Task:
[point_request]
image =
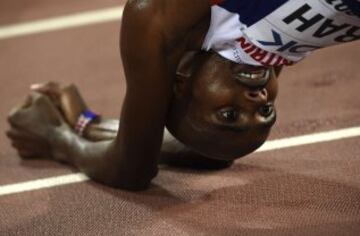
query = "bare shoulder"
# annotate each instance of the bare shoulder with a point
(172, 8)
(174, 17)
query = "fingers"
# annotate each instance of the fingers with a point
(17, 114)
(31, 123)
(20, 145)
(41, 113)
(14, 116)
(27, 103)
(26, 154)
(24, 140)
(50, 89)
(47, 87)
(28, 148)
(72, 104)
(16, 134)
(44, 103)
(23, 149)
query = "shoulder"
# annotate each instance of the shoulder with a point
(174, 7)
(173, 17)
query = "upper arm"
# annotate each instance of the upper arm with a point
(148, 74)
(160, 21)
(148, 91)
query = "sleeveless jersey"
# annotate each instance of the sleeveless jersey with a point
(279, 32)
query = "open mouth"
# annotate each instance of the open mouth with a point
(253, 79)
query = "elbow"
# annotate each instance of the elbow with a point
(125, 181)
(132, 185)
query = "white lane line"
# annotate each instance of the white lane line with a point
(268, 146)
(62, 22)
(42, 183)
(310, 139)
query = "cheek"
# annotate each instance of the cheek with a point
(197, 114)
(272, 88)
(215, 96)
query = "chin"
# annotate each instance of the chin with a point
(224, 155)
(230, 153)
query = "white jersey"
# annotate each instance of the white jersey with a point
(279, 32)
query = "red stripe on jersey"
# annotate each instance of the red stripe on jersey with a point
(216, 2)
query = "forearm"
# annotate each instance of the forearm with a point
(85, 155)
(98, 160)
(172, 152)
(106, 129)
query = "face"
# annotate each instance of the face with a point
(222, 109)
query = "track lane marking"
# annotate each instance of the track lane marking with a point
(62, 22)
(268, 146)
(310, 139)
(42, 183)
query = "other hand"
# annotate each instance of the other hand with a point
(33, 126)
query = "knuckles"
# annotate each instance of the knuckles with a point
(30, 122)
(39, 107)
(11, 118)
(9, 134)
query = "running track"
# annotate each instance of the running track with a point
(304, 185)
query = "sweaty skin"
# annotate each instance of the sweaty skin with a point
(155, 35)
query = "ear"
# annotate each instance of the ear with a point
(184, 71)
(186, 64)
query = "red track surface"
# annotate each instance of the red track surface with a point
(307, 190)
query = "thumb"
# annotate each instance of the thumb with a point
(48, 88)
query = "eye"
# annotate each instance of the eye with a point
(229, 115)
(266, 110)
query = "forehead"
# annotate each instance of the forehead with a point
(214, 64)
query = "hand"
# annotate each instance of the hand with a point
(50, 89)
(33, 126)
(67, 99)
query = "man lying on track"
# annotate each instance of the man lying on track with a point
(205, 70)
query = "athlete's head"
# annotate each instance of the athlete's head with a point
(222, 109)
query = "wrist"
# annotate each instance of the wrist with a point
(84, 120)
(63, 143)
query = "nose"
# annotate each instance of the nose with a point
(257, 96)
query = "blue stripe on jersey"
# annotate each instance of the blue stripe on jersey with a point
(354, 5)
(251, 11)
